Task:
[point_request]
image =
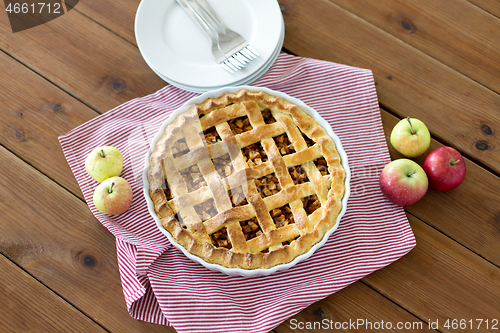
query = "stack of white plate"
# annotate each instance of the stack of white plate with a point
(180, 52)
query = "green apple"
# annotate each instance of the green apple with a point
(113, 196)
(410, 137)
(104, 162)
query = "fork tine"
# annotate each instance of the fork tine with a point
(252, 50)
(235, 63)
(226, 67)
(230, 65)
(248, 58)
(241, 58)
(247, 54)
(239, 61)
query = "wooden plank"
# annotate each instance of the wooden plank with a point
(83, 58)
(441, 280)
(34, 113)
(409, 82)
(470, 214)
(53, 235)
(347, 306)
(27, 305)
(491, 6)
(456, 33)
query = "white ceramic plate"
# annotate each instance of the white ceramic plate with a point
(238, 271)
(174, 46)
(246, 80)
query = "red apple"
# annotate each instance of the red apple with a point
(445, 168)
(403, 182)
(113, 196)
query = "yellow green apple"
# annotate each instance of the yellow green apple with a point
(113, 196)
(104, 162)
(410, 137)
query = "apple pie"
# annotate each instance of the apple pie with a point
(246, 180)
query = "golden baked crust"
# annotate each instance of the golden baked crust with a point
(246, 180)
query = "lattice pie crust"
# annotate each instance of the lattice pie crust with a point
(246, 180)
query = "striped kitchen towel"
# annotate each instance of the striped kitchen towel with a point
(163, 286)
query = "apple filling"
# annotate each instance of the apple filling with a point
(193, 178)
(299, 176)
(309, 142)
(179, 148)
(237, 196)
(223, 165)
(311, 203)
(250, 228)
(206, 209)
(254, 154)
(284, 145)
(268, 185)
(240, 125)
(166, 190)
(221, 239)
(268, 116)
(211, 135)
(282, 216)
(322, 166)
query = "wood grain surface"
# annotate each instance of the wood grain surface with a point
(468, 46)
(30, 129)
(409, 81)
(28, 305)
(491, 6)
(436, 61)
(84, 59)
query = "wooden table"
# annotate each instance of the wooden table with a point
(438, 61)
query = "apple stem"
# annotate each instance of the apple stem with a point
(102, 153)
(454, 162)
(411, 126)
(111, 187)
(412, 173)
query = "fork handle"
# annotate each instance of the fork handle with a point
(213, 15)
(198, 19)
(220, 33)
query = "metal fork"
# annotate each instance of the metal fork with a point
(216, 52)
(232, 44)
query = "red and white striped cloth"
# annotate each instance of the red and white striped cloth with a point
(163, 286)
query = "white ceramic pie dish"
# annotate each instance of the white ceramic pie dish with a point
(239, 271)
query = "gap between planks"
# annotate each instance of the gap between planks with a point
(37, 282)
(489, 6)
(49, 81)
(445, 142)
